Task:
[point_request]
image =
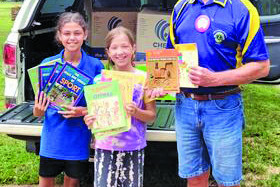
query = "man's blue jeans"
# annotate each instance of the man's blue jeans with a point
(209, 134)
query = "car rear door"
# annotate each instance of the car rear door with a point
(269, 11)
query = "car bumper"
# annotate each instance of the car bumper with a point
(161, 136)
(35, 130)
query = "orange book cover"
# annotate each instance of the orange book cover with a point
(162, 69)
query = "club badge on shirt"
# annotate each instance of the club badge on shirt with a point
(202, 23)
(219, 36)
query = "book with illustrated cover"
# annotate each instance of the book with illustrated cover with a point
(128, 81)
(132, 89)
(188, 58)
(56, 70)
(162, 69)
(137, 98)
(44, 74)
(104, 101)
(34, 74)
(68, 87)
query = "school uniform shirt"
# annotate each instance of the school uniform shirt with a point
(68, 139)
(135, 138)
(227, 34)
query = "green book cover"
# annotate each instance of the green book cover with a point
(34, 78)
(104, 100)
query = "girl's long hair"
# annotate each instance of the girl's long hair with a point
(108, 40)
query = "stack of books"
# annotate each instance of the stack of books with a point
(106, 101)
(169, 68)
(62, 83)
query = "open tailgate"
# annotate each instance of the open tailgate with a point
(20, 121)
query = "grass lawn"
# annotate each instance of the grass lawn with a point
(17, 166)
(261, 136)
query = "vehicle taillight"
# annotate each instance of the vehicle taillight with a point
(10, 102)
(9, 55)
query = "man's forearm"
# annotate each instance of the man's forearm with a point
(243, 75)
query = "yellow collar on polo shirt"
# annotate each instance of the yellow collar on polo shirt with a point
(220, 2)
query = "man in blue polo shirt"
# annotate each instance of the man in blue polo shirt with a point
(209, 119)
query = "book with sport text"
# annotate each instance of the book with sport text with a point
(188, 58)
(104, 101)
(68, 87)
(162, 69)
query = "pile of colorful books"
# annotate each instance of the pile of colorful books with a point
(168, 68)
(106, 101)
(62, 82)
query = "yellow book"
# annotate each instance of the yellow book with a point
(128, 82)
(189, 57)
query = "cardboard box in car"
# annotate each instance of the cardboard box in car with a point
(152, 31)
(103, 22)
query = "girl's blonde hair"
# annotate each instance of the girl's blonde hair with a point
(68, 17)
(114, 33)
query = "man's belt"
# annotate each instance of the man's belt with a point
(211, 96)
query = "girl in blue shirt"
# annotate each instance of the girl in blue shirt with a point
(65, 138)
